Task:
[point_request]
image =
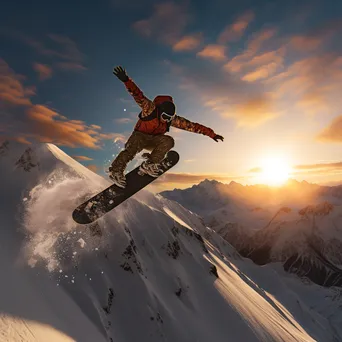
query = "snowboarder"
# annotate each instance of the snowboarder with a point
(154, 121)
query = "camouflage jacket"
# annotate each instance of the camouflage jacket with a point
(147, 107)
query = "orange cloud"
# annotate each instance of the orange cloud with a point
(250, 111)
(187, 43)
(230, 97)
(304, 43)
(332, 133)
(255, 170)
(311, 169)
(47, 126)
(310, 83)
(189, 178)
(316, 37)
(236, 29)
(82, 158)
(93, 168)
(12, 91)
(95, 126)
(313, 102)
(25, 120)
(255, 111)
(167, 23)
(254, 45)
(23, 140)
(320, 166)
(260, 73)
(260, 67)
(275, 56)
(43, 70)
(213, 51)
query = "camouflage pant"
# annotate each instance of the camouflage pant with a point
(159, 145)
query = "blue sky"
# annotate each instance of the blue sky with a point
(262, 74)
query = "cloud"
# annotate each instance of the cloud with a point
(244, 59)
(235, 30)
(61, 49)
(271, 76)
(166, 23)
(188, 178)
(68, 49)
(332, 133)
(82, 158)
(247, 103)
(257, 67)
(213, 51)
(255, 170)
(43, 70)
(310, 169)
(70, 66)
(123, 120)
(23, 140)
(312, 83)
(28, 121)
(305, 43)
(95, 126)
(260, 73)
(320, 166)
(12, 91)
(47, 125)
(316, 37)
(187, 43)
(93, 168)
(189, 160)
(255, 111)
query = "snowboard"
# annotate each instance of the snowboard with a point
(100, 204)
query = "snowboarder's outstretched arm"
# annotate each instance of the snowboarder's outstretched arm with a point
(147, 106)
(187, 125)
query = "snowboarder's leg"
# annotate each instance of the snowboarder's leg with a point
(133, 146)
(159, 145)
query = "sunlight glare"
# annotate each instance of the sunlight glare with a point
(275, 171)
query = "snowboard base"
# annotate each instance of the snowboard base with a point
(100, 204)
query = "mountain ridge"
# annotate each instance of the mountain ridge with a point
(292, 230)
(149, 270)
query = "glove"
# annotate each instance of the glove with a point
(218, 137)
(120, 73)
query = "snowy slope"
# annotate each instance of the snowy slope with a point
(148, 271)
(299, 224)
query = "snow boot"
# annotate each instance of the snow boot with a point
(117, 177)
(149, 168)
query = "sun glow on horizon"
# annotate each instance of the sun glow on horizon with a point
(274, 171)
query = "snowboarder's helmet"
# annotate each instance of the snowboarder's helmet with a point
(167, 107)
(158, 100)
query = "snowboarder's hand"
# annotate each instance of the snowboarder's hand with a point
(120, 73)
(218, 137)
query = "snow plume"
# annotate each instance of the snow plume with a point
(48, 215)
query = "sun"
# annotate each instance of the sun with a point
(274, 171)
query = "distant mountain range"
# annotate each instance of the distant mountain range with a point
(298, 224)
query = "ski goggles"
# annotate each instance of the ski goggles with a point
(167, 117)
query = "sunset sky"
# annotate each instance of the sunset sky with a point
(266, 75)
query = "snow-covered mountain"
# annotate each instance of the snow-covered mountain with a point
(150, 270)
(299, 224)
